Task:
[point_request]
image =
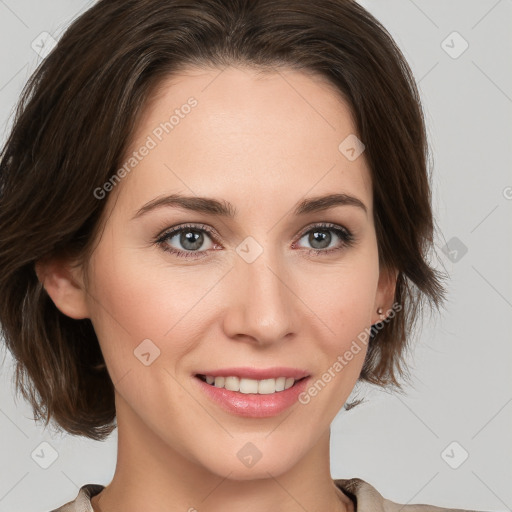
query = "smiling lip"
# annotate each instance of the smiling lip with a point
(257, 373)
(252, 405)
(255, 405)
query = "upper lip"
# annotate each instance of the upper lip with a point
(258, 373)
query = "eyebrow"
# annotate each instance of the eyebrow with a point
(223, 208)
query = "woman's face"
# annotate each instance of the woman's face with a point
(240, 290)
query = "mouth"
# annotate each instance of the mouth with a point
(251, 386)
(275, 391)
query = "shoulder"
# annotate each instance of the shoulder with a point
(366, 497)
(82, 502)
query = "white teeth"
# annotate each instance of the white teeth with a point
(288, 383)
(280, 383)
(261, 387)
(232, 383)
(266, 386)
(248, 386)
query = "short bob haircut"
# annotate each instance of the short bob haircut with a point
(73, 124)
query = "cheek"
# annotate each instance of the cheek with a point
(344, 302)
(343, 297)
(131, 303)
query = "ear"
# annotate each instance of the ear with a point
(64, 284)
(384, 298)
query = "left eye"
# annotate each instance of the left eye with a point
(320, 238)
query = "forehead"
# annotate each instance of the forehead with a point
(244, 136)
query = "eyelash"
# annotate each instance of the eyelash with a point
(347, 239)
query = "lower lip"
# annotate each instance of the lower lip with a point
(253, 405)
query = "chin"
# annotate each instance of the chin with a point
(247, 462)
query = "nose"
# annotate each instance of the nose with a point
(262, 306)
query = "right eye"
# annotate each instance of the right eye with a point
(189, 238)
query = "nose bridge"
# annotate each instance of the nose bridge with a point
(263, 306)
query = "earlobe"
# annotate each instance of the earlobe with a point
(64, 286)
(385, 294)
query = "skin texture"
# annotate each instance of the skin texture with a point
(263, 142)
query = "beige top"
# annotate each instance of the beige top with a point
(365, 498)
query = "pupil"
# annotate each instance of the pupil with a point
(191, 237)
(325, 239)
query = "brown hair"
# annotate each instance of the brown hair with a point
(73, 124)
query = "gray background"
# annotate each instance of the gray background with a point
(401, 444)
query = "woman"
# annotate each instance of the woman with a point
(214, 217)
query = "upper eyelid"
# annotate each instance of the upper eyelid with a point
(213, 233)
(199, 227)
(324, 225)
